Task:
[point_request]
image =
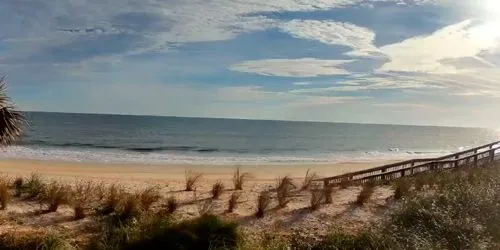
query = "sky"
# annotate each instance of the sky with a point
(424, 62)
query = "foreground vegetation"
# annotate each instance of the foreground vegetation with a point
(457, 209)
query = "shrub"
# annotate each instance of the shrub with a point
(316, 198)
(192, 179)
(239, 179)
(308, 180)
(327, 193)
(205, 232)
(233, 202)
(365, 194)
(114, 196)
(18, 186)
(4, 194)
(402, 188)
(284, 191)
(34, 186)
(33, 240)
(130, 207)
(217, 190)
(263, 202)
(54, 195)
(149, 196)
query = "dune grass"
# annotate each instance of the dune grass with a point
(192, 178)
(149, 196)
(171, 205)
(81, 198)
(284, 191)
(263, 202)
(114, 196)
(239, 179)
(233, 202)
(308, 179)
(402, 188)
(365, 194)
(5, 195)
(327, 193)
(317, 196)
(34, 186)
(18, 186)
(217, 190)
(54, 195)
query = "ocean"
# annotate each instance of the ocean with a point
(158, 140)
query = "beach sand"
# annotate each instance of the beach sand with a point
(170, 179)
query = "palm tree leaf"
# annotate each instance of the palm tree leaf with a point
(12, 121)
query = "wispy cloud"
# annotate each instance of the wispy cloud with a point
(303, 67)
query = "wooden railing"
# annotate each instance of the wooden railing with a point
(478, 156)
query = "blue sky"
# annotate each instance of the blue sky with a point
(374, 61)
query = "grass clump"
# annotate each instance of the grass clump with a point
(263, 202)
(365, 194)
(149, 196)
(5, 195)
(54, 195)
(217, 190)
(205, 232)
(308, 180)
(327, 193)
(130, 208)
(284, 191)
(114, 195)
(33, 240)
(34, 186)
(18, 186)
(233, 202)
(170, 206)
(192, 179)
(401, 188)
(81, 198)
(239, 179)
(317, 196)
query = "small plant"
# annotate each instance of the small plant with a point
(34, 186)
(18, 186)
(263, 202)
(192, 179)
(81, 196)
(327, 193)
(316, 197)
(54, 195)
(4, 194)
(365, 194)
(113, 198)
(217, 190)
(100, 191)
(205, 207)
(149, 196)
(284, 191)
(233, 202)
(402, 188)
(239, 179)
(171, 205)
(308, 180)
(130, 208)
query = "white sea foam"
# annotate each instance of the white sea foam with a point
(116, 156)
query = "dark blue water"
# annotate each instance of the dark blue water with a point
(117, 138)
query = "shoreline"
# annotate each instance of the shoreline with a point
(124, 171)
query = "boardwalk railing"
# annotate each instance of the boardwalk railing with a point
(474, 157)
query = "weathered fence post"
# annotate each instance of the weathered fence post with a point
(475, 160)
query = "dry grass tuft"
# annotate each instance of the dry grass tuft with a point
(217, 190)
(205, 207)
(317, 195)
(284, 191)
(263, 202)
(239, 179)
(4, 194)
(149, 196)
(54, 195)
(171, 205)
(233, 202)
(81, 198)
(114, 196)
(130, 208)
(308, 180)
(327, 193)
(18, 186)
(34, 186)
(365, 194)
(192, 179)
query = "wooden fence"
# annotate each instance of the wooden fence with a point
(474, 157)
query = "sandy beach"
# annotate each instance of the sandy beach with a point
(170, 180)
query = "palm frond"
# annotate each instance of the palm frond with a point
(12, 121)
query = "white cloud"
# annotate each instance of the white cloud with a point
(359, 39)
(433, 53)
(301, 83)
(303, 67)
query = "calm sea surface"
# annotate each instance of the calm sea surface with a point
(146, 139)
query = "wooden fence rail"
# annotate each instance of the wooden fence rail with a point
(474, 157)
